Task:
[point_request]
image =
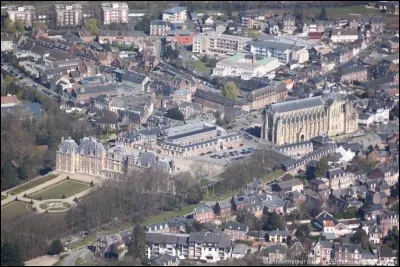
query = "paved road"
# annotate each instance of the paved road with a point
(71, 258)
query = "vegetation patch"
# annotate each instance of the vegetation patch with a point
(33, 183)
(3, 197)
(80, 262)
(61, 190)
(170, 214)
(15, 209)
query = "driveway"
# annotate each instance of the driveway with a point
(71, 258)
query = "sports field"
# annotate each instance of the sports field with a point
(15, 209)
(64, 188)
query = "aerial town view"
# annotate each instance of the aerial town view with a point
(199, 133)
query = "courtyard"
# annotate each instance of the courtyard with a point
(60, 190)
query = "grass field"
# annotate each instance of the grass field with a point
(198, 66)
(169, 214)
(336, 11)
(66, 188)
(15, 209)
(33, 183)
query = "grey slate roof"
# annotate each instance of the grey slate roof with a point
(279, 232)
(147, 158)
(236, 226)
(351, 248)
(203, 209)
(306, 103)
(89, 146)
(289, 183)
(175, 9)
(69, 146)
(240, 249)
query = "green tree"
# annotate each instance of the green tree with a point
(23, 171)
(323, 15)
(361, 237)
(230, 90)
(56, 247)
(217, 209)
(10, 255)
(194, 195)
(138, 244)
(175, 114)
(9, 25)
(92, 26)
(302, 231)
(322, 167)
(19, 26)
(274, 221)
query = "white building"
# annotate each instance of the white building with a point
(210, 247)
(115, 12)
(283, 51)
(25, 14)
(246, 66)
(68, 15)
(344, 35)
(176, 14)
(217, 44)
(347, 155)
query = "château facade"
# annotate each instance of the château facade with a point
(91, 158)
(300, 120)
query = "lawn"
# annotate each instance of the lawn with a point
(66, 188)
(331, 11)
(198, 66)
(3, 197)
(169, 214)
(272, 176)
(14, 209)
(80, 262)
(33, 183)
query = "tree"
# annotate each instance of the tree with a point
(194, 195)
(302, 231)
(217, 209)
(175, 114)
(92, 26)
(322, 15)
(230, 90)
(23, 171)
(322, 166)
(56, 247)
(9, 175)
(274, 221)
(10, 255)
(19, 26)
(138, 244)
(361, 237)
(9, 25)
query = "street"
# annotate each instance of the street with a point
(83, 253)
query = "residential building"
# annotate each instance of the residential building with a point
(9, 101)
(277, 253)
(347, 253)
(7, 41)
(282, 124)
(239, 251)
(213, 101)
(375, 234)
(322, 252)
(344, 35)
(296, 149)
(388, 221)
(194, 139)
(113, 12)
(25, 14)
(179, 38)
(358, 73)
(111, 36)
(288, 186)
(250, 19)
(279, 236)
(284, 52)
(203, 214)
(210, 247)
(176, 14)
(69, 15)
(215, 44)
(236, 231)
(386, 256)
(159, 27)
(339, 179)
(246, 66)
(288, 24)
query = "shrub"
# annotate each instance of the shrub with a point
(67, 177)
(16, 198)
(91, 184)
(40, 198)
(25, 195)
(63, 196)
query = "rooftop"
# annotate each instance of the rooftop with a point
(300, 104)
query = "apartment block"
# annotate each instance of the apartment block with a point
(176, 14)
(68, 15)
(114, 12)
(210, 247)
(159, 27)
(216, 44)
(284, 52)
(25, 14)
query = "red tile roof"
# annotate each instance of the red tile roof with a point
(12, 99)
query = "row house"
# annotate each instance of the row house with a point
(210, 247)
(204, 214)
(344, 35)
(339, 179)
(388, 221)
